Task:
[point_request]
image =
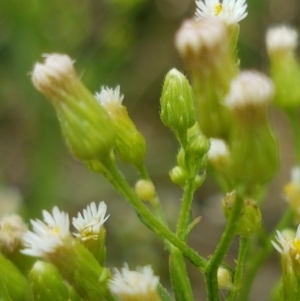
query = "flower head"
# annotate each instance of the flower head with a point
(109, 97)
(135, 285)
(288, 244)
(250, 89)
(47, 235)
(12, 229)
(281, 40)
(229, 11)
(89, 224)
(218, 149)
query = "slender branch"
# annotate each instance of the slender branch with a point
(258, 258)
(292, 115)
(185, 210)
(222, 248)
(150, 220)
(237, 283)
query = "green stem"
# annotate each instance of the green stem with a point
(256, 259)
(292, 115)
(185, 211)
(237, 283)
(222, 248)
(156, 225)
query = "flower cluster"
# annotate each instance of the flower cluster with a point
(51, 233)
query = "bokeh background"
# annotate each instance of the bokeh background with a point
(127, 43)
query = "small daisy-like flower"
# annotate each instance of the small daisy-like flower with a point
(109, 97)
(12, 229)
(250, 89)
(281, 39)
(288, 244)
(229, 11)
(90, 223)
(47, 235)
(135, 285)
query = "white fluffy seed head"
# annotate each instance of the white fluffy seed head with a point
(196, 35)
(281, 40)
(52, 74)
(250, 88)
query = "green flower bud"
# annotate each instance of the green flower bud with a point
(204, 45)
(130, 143)
(285, 70)
(180, 158)
(85, 125)
(195, 154)
(13, 285)
(177, 111)
(145, 190)
(224, 278)
(253, 147)
(46, 283)
(178, 175)
(250, 219)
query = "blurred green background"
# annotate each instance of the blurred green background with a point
(114, 42)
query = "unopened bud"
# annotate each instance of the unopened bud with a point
(253, 147)
(85, 125)
(145, 190)
(178, 176)
(130, 144)
(205, 47)
(177, 111)
(195, 154)
(285, 70)
(250, 218)
(224, 278)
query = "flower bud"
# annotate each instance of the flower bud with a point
(177, 111)
(130, 144)
(178, 175)
(285, 70)
(250, 218)
(85, 125)
(253, 147)
(13, 285)
(195, 154)
(224, 278)
(204, 45)
(46, 283)
(145, 190)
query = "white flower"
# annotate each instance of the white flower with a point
(108, 96)
(250, 88)
(198, 36)
(288, 243)
(47, 235)
(52, 73)
(135, 285)
(229, 11)
(12, 228)
(218, 149)
(89, 224)
(281, 39)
